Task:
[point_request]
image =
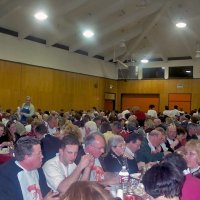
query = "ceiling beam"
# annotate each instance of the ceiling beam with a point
(126, 20)
(114, 42)
(131, 49)
(96, 16)
(59, 17)
(9, 7)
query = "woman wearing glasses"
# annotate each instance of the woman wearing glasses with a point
(115, 159)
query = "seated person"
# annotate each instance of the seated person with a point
(50, 145)
(22, 177)
(163, 182)
(4, 140)
(192, 131)
(172, 143)
(150, 150)
(61, 171)
(193, 156)
(95, 146)
(86, 190)
(132, 146)
(191, 185)
(115, 158)
(12, 131)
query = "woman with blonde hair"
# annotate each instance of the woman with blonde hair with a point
(71, 129)
(193, 156)
(87, 190)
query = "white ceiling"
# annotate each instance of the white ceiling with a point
(127, 28)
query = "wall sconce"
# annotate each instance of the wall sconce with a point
(111, 86)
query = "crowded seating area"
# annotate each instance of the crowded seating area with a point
(62, 155)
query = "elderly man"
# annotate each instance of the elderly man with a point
(95, 146)
(171, 141)
(150, 150)
(61, 171)
(22, 178)
(90, 127)
(27, 110)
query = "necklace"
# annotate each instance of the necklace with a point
(122, 162)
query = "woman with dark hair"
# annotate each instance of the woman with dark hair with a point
(4, 140)
(163, 182)
(86, 190)
(11, 131)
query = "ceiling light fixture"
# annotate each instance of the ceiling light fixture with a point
(144, 61)
(181, 24)
(41, 16)
(88, 33)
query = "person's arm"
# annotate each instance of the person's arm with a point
(32, 111)
(74, 176)
(87, 170)
(4, 144)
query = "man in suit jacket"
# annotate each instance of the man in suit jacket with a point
(22, 178)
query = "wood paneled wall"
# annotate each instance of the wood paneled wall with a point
(50, 89)
(54, 89)
(162, 87)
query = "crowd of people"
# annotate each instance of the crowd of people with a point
(57, 155)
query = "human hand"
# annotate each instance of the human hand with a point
(85, 161)
(174, 144)
(52, 196)
(4, 144)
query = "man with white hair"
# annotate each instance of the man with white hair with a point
(90, 127)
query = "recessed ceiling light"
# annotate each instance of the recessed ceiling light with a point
(41, 16)
(181, 25)
(144, 61)
(88, 34)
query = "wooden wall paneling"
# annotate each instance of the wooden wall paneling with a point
(60, 94)
(100, 93)
(38, 83)
(10, 84)
(195, 93)
(53, 89)
(162, 87)
(81, 91)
